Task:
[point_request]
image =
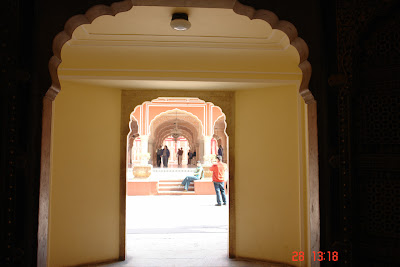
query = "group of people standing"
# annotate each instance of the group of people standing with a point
(164, 155)
(191, 156)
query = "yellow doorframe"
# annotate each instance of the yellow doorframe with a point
(48, 105)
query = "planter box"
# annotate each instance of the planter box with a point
(140, 171)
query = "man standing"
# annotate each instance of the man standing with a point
(165, 156)
(218, 170)
(190, 155)
(159, 155)
(180, 154)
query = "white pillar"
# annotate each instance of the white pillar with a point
(201, 150)
(145, 146)
(151, 150)
(207, 145)
(145, 143)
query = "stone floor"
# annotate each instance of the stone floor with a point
(178, 231)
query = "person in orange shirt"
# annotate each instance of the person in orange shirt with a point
(218, 170)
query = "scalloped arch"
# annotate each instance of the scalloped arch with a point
(100, 10)
(185, 134)
(172, 111)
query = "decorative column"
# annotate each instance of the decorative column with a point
(199, 155)
(143, 170)
(201, 150)
(207, 145)
(145, 148)
(151, 150)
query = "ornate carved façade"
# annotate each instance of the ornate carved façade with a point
(368, 120)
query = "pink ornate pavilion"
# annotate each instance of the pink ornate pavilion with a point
(201, 127)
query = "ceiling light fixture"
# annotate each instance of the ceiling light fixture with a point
(176, 133)
(180, 22)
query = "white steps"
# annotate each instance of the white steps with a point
(173, 187)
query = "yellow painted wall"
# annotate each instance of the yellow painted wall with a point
(84, 201)
(267, 174)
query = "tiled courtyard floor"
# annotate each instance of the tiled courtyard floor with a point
(177, 231)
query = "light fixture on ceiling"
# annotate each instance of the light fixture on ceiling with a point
(176, 133)
(180, 22)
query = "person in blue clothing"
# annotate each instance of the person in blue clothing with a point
(198, 174)
(220, 151)
(165, 156)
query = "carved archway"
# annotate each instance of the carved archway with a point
(162, 125)
(101, 10)
(163, 131)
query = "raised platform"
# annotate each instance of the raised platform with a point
(167, 181)
(143, 187)
(146, 187)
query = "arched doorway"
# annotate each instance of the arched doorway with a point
(199, 125)
(290, 40)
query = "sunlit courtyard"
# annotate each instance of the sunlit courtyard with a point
(177, 230)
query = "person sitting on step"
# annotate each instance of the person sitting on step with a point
(198, 174)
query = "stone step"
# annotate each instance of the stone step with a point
(170, 184)
(173, 188)
(170, 176)
(166, 170)
(170, 181)
(176, 193)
